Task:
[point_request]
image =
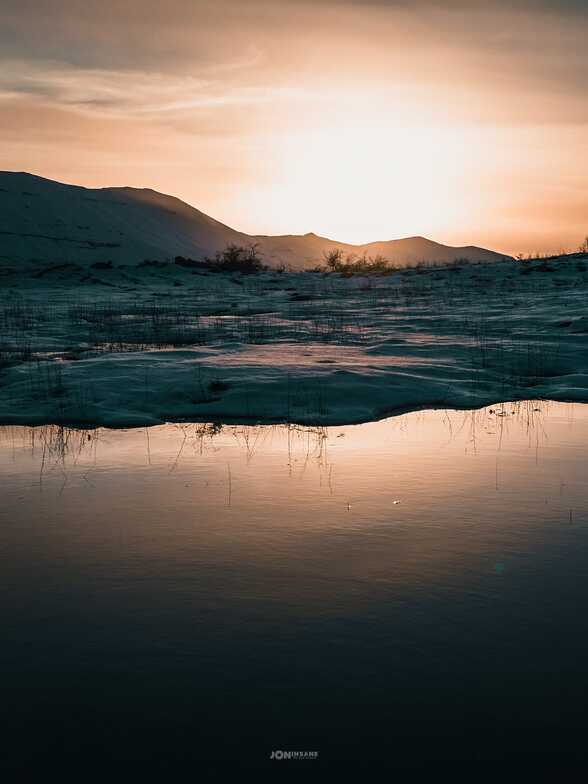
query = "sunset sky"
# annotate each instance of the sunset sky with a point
(466, 122)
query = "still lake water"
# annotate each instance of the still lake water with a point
(406, 593)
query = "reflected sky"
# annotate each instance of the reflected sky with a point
(211, 592)
(427, 496)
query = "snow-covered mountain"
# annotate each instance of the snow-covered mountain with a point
(46, 221)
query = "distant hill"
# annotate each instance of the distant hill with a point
(303, 250)
(46, 221)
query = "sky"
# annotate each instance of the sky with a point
(466, 122)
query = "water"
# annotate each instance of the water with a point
(406, 593)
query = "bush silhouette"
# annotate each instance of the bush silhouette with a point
(235, 258)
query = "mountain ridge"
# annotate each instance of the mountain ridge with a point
(43, 220)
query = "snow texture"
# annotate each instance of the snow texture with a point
(140, 344)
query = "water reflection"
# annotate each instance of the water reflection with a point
(410, 576)
(68, 447)
(436, 490)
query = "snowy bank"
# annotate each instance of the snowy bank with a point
(146, 345)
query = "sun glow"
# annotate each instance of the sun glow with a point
(362, 182)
